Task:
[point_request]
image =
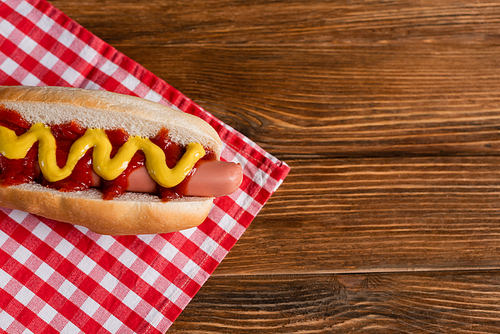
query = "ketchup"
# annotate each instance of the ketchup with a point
(17, 171)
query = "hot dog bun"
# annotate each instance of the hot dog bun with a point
(131, 213)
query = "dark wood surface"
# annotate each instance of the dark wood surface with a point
(388, 113)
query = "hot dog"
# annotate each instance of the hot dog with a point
(113, 163)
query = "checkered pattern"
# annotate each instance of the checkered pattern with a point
(58, 278)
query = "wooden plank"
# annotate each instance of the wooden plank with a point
(445, 302)
(344, 102)
(376, 215)
(212, 22)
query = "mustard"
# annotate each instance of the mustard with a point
(16, 147)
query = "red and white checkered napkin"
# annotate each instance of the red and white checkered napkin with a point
(57, 278)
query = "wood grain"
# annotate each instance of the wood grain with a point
(388, 113)
(387, 303)
(378, 214)
(345, 102)
(295, 22)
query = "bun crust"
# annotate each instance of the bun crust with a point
(131, 213)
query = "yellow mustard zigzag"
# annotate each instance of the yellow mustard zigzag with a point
(16, 147)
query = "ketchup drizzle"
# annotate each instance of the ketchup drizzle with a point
(17, 171)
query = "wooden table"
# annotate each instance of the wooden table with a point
(388, 113)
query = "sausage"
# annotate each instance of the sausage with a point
(210, 179)
(215, 178)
